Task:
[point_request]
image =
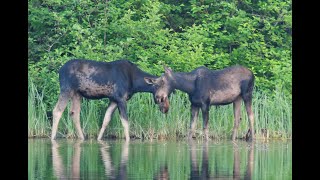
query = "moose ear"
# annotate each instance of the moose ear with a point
(167, 70)
(150, 80)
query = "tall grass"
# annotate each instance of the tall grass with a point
(147, 122)
(38, 124)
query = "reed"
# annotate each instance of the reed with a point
(38, 124)
(273, 115)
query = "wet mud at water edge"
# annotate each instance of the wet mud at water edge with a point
(196, 159)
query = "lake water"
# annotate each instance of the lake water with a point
(115, 159)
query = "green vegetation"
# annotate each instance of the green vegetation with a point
(181, 34)
(38, 124)
(147, 122)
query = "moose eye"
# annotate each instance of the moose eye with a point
(161, 83)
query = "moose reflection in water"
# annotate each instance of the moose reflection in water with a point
(58, 166)
(206, 87)
(197, 173)
(60, 169)
(162, 174)
(204, 172)
(110, 170)
(236, 162)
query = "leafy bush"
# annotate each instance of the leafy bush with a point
(181, 34)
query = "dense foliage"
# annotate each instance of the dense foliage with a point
(182, 34)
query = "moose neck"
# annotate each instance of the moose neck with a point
(184, 82)
(139, 84)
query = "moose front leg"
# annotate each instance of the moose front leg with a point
(75, 114)
(237, 114)
(57, 113)
(124, 118)
(112, 106)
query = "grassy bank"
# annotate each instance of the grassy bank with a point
(146, 121)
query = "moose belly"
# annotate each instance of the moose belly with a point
(91, 89)
(225, 96)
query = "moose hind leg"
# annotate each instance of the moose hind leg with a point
(237, 114)
(75, 114)
(205, 116)
(248, 104)
(57, 112)
(194, 117)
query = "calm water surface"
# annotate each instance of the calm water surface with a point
(90, 159)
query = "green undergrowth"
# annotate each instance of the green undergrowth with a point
(273, 118)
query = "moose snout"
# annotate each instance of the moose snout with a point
(160, 99)
(163, 104)
(165, 110)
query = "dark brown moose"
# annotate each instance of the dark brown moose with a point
(117, 80)
(207, 87)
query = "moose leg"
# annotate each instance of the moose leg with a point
(112, 106)
(237, 114)
(248, 104)
(205, 116)
(57, 112)
(194, 117)
(124, 118)
(75, 114)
